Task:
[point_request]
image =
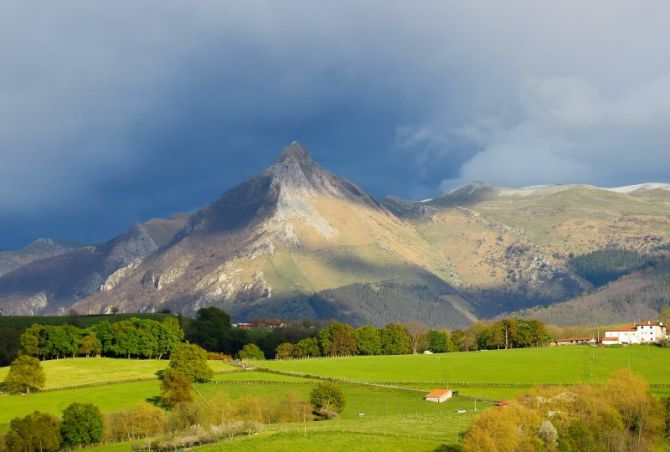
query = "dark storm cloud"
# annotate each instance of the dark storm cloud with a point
(113, 112)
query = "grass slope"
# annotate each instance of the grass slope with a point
(525, 366)
(63, 373)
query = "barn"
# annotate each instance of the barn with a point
(438, 395)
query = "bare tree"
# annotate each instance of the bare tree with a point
(417, 334)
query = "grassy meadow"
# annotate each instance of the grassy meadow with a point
(374, 418)
(63, 373)
(558, 365)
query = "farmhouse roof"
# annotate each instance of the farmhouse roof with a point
(649, 323)
(623, 328)
(437, 393)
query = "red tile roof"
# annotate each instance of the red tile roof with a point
(437, 393)
(624, 328)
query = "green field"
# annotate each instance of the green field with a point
(561, 365)
(375, 418)
(63, 373)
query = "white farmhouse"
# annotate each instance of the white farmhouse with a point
(639, 333)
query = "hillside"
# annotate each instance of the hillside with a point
(634, 297)
(298, 241)
(53, 284)
(39, 249)
(280, 244)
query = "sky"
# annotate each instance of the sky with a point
(112, 113)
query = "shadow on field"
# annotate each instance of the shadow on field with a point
(448, 448)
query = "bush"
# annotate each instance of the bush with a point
(285, 350)
(35, 432)
(216, 356)
(191, 361)
(82, 424)
(251, 351)
(143, 421)
(327, 399)
(175, 388)
(25, 374)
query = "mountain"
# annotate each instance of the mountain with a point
(39, 249)
(289, 242)
(51, 285)
(297, 241)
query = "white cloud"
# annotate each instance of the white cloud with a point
(569, 131)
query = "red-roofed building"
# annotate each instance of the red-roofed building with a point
(639, 333)
(439, 395)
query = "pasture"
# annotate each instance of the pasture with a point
(558, 365)
(64, 373)
(374, 418)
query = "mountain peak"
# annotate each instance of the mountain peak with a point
(295, 151)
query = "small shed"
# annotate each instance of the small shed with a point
(439, 395)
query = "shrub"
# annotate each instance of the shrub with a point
(327, 399)
(143, 421)
(307, 348)
(251, 351)
(82, 424)
(191, 361)
(175, 388)
(285, 350)
(35, 432)
(216, 356)
(25, 374)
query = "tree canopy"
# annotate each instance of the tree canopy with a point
(191, 361)
(25, 375)
(82, 425)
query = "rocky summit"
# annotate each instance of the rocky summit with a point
(297, 241)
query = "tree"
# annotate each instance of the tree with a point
(285, 350)
(338, 339)
(251, 351)
(175, 388)
(369, 340)
(191, 360)
(103, 333)
(416, 331)
(124, 340)
(25, 374)
(90, 345)
(512, 428)
(35, 432)
(327, 399)
(438, 341)
(307, 348)
(30, 341)
(395, 340)
(82, 425)
(343, 339)
(210, 329)
(169, 336)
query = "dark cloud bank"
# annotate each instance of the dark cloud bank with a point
(114, 112)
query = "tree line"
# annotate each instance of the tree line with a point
(131, 338)
(340, 339)
(212, 330)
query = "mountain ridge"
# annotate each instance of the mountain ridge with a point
(297, 240)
